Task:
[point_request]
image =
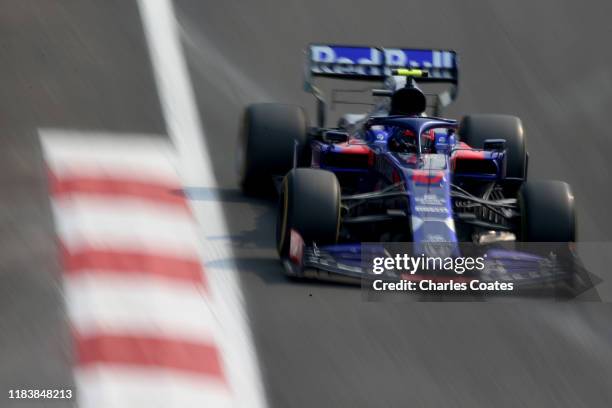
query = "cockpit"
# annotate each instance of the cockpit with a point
(405, 141)
(418, 134)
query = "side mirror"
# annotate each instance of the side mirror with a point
(442, 144)
(497, 145)
(335, 136)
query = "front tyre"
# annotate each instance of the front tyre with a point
(547, 212)
(310, 205)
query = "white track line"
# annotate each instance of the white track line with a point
(185, 129)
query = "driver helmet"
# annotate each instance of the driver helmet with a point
(403, 141)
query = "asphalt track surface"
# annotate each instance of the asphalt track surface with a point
(84, 65)
(75, 65)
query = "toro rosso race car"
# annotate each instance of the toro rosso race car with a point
(397, 174)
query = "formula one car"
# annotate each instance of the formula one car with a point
(396, 174)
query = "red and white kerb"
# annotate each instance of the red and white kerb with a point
(145, 332)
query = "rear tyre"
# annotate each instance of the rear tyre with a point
(267, 144)
(547, 212)
(475, 129)
(309, 204)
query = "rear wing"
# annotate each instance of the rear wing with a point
(375, 64)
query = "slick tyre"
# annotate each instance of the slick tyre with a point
(309, 204)
(267, 144)
(475, 129)
(547, 212)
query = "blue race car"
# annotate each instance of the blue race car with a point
(396, 174)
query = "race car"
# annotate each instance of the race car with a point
(398, 173)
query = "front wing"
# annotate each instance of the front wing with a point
(347, 263)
